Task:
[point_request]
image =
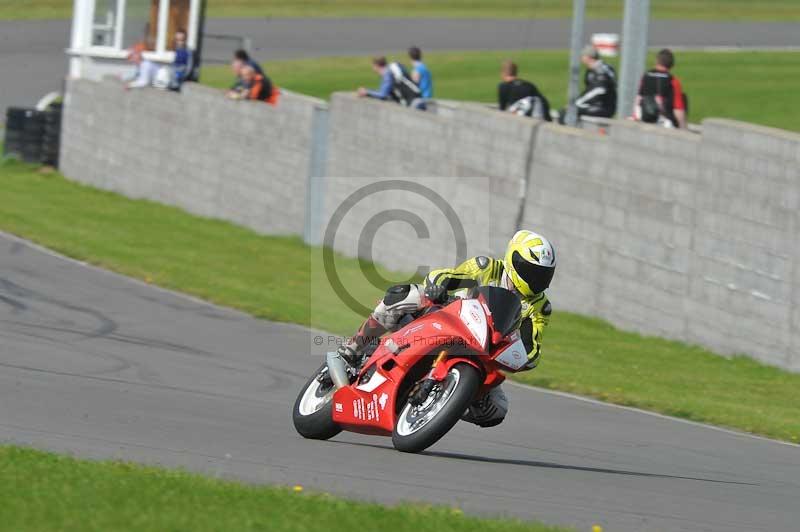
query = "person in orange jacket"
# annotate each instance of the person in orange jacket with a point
(256, 86)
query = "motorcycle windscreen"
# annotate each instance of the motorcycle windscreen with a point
(505, 306)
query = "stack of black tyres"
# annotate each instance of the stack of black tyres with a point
(15, 123)
(32, 135)
(52, 135)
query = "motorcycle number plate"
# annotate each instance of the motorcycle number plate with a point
(514, 356)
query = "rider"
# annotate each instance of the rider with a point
(527, 270)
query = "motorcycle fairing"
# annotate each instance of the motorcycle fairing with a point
(368, 405)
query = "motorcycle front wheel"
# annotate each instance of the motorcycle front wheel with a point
(313, 410)
(419, 427)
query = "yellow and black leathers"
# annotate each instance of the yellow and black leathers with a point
(485, 271)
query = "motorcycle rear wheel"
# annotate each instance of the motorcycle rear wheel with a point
(313, 410)
(418, 428)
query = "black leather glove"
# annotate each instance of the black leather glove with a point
(435, 293)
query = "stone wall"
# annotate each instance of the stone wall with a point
(670, 233)
(240, 161)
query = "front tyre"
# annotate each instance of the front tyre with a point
(419, 427)
(313, 409)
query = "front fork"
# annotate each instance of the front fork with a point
(441, 366)
(424, 388)
(337, 369)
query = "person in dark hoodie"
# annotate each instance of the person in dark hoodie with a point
(520, 97)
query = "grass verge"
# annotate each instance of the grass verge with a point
(748, 86)
(44, 491)
(599, 9)
(273, 277)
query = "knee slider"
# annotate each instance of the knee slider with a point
(490, 411)
(498, 397)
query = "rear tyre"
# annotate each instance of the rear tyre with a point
(418, 428)
(313, 410)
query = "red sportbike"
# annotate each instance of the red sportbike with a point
(420, 380)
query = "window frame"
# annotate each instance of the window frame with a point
(88, 8)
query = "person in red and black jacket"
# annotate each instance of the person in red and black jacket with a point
(660, 94)
(255, 86)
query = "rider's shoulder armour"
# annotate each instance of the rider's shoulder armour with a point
(482, 262)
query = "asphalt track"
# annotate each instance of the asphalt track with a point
(99, 365)
(32, 61)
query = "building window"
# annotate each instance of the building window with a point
(177, 19)
(144, 20)
(147, 24)
(140, 23)
(104, 28)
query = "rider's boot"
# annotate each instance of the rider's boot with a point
(399, 301)
(352, 350)
(489, 410)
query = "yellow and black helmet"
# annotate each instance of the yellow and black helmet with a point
(530, 263)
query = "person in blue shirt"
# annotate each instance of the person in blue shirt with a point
(420, 74)
(384, 92)
(182, 64)
(396, 85)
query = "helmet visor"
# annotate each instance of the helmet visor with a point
(535, 276)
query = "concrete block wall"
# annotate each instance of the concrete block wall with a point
(562, 203)
(651, 175)
(475, 160)
(744, 282)
(240, 161)
(692, 237)
(664, 232)
(498, 147)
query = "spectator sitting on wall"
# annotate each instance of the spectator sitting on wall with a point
(661, 99)
(240, 59)
(256, 86)
(396, 85)
(599, 97)
(420, 73)
(519, 96)
(146, 70)
(236, 68)
(182, 64)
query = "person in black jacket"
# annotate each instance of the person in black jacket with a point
(599, 97)
(519, 96)
(661, 98)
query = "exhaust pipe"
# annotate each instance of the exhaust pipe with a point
(337, 368)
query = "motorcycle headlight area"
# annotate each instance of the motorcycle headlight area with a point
(474, 317)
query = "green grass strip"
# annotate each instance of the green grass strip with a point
(44, 491)
(277, 278)
(755, 87)
(744, 10)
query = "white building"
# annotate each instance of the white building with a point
(104, 30)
